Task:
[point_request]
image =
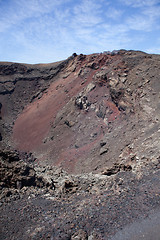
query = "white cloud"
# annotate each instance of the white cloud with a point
(87, 14)
(55, 29)
(21, 10)
(152, 13)
(155, 50)
(30, 7)
(140, 3)
(146, 18)
(140, 23)
(115, 37)
(114, 13)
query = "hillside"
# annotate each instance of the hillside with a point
(79, 145)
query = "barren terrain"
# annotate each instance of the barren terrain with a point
(80, 149)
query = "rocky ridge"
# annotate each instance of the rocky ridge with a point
(52, 204)
(80, 149)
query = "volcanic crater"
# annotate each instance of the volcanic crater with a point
(79, 140)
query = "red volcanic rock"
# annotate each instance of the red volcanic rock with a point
(79, 154)
(62, 111)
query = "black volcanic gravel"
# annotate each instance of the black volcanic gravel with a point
(106, 213)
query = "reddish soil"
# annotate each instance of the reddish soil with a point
(60, 131)
(34, 123)
(80, 154)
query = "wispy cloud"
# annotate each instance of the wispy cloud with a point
(140, 3)
(146, 16)
(153, 14)
(87, 14)
(114, 13)
(18, 11)
(140, 23)
(44, 31)
(153, 50)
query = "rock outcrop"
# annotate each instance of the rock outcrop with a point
(80, 151)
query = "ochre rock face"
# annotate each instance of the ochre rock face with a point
(85, 113)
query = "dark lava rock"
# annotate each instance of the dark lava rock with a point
(79, 143)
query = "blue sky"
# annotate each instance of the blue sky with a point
(42, 31)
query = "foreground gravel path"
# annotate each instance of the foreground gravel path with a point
(146, 229)
(93, 216)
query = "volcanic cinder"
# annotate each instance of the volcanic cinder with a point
(86, 128)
